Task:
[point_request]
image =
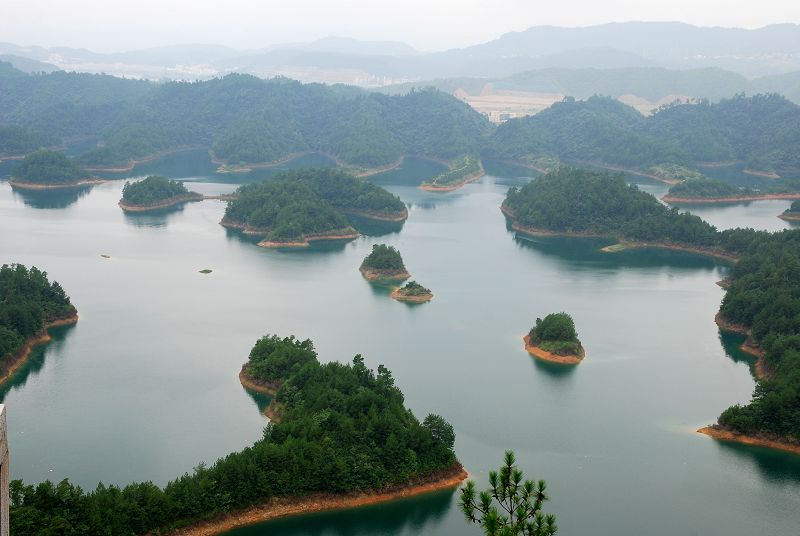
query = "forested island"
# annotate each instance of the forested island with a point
(466, 169)
(47, 169)
(296, 208)
(29, 304)
(555, 339)
(757, 131)
(792, 213)
(155, 192)
(412, 292)
(579, 202)
(344, 438)
(714, 191)
(384, 264)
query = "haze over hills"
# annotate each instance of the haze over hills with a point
(770, 50)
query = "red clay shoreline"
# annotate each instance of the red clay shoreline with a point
(278, 507)
(22, 355)
(399, 295)
(721, 433)
(544, 355)
(171, 202)
(371, 274)
(790, 216)
(456, 185)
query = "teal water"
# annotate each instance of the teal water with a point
(145, 385)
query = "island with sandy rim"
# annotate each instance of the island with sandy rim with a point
(792, 213)
(299, 207)
(555, 339)
(710, 191)
(155, 193)
(43, 305)
(48, 170)
(462, 171)
(384, 264)
(412, 292)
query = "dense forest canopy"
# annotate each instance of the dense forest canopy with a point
(28, 301)
(760, 131)
(706, 188)
(764, 295)
(154, 189)
(556, 333)
(48, 167)
(303, 202)
(412, 288)
(343, 428)
(384, 258)
(18, 140)
(241, 117)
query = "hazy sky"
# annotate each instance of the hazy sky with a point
(111, 25)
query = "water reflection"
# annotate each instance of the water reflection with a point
(49, 199)
(392, 518)
(774, 466)
(36, 360)
(554, 370)
(412, 172)
(153, 218)
(370, 227)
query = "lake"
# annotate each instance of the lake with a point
(145, 386)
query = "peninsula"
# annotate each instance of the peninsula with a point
(554, 339)
(702, 191)
(47, 169)
(29, 305)
(463, 170)
(296, 208)
(384, 264)
(155, 193)
(412, 292)
(792, 213)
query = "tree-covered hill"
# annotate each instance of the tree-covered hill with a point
(48, 167)
(17, 140)
(296, 204)
(243, 118)
(28, 302)
(706, 189)
(760, 131)
(343, 428)
(154, 190)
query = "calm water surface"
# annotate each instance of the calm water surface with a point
(145, 385)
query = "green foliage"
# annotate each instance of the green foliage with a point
(16, 140)
(298, 203)
(795, 207)
(273, 359)
(48, 167)
(462, 168)
(554, 327)
(706, 188)
(573, 200)
(511, 506)
(759, 131)
(383, 257)
(675, 172)
(344, 428)
(764, 294)
(152, 190)
(27, 302)
(412, 288)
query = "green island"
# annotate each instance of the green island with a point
(298, 207)
(412, 292)
(47, 169)
(153, 193)
(555, 339)
(757, 131)
(384, 264)
(343, 439)
(463, 170)
(792, 213)
(714, 191)
(579, 202)
(29, 304)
